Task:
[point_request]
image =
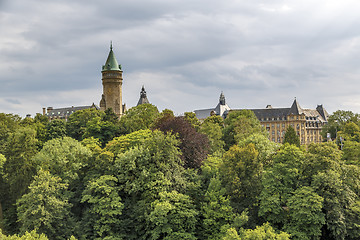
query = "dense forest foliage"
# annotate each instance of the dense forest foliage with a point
(153, 175)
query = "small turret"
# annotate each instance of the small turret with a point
(222, 99)
(143, 98)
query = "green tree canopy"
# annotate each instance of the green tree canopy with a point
(139, 117)
(239, 125)
(64, 157)
(45, 208)
(77, 123)
(102, 194)
(33, 235)
(337, 121)
(55, 129)
(241, 173)
(291, 137)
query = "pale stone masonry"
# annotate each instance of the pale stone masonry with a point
(307, 123)
(112, 85)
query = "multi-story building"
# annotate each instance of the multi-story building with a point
(306, 122)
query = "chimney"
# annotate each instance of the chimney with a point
(44, 111)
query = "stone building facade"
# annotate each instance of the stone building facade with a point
(112, 85)
(64, 113)
(307, 123)
(111, 97)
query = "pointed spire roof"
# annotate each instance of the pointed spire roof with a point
(111, 63)
(222, 99)
(143, 98)
(295, 108)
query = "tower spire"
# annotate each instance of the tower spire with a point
(143, 98)
(111, 62)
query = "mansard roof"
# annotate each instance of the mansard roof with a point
(271, 113)
(221, 109)
(67, 111)
(111, 62)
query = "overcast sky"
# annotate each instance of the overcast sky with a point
(185, 52)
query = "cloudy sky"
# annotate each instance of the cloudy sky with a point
(185, 52)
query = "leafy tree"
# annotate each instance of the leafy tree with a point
(305, 212)
(139, 117)
(264, 232)
(33, 235)
(55, 129)
(192, 119)
(216, 212)
(241, 173)
(211, 167)
(337, 198)
(352, 220)
(351, 152)
(279, 183)
(291, 137)
(231, 234)
(9, 123)
(144, 172)
(64, 157)
(102, 194)
(18, 171)
(77, 122)
(110, 116)
(172, 216)
(350, 132)
(263, 145)
(239, 125)
(93, 144)
(215, 119)
(164, 116)
(194, 145)
(39, 118)
(214, 133)
(337, 121)
(2, 196)
(102, 130)
(123, 143)
(45, 208)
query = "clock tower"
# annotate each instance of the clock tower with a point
(112, 85)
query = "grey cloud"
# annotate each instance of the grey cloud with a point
(256, 52)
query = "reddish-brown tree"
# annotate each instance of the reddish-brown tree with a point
(194, 145)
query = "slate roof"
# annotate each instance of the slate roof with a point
(67, 111)
(267, 114)
(270, 113)
(143, 98)
(221, 109)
